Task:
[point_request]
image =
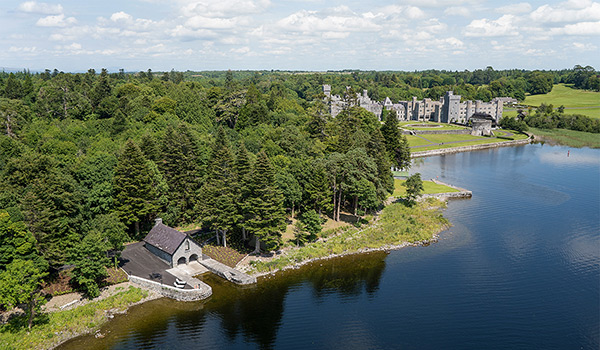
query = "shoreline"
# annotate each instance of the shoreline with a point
(384, 248)
(441, 151)
(108, 314)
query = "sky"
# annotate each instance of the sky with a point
(314, 35)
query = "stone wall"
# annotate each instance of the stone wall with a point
(437, 152)
(161, 254)
(227, 272)
(184, 252)
(203, 292)
(437, 132)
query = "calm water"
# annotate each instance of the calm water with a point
(520, 269)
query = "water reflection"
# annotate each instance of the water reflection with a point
(244, 314)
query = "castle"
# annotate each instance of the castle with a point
(448, 109)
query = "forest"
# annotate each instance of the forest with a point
(89, 160)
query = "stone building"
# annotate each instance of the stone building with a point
(449, 109)
(172, 246)
(481, 124)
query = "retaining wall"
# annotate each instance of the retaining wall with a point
(227, 272)
(436, 152)
(438, 132)
(203, 292)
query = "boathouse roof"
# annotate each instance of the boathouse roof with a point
(165, 238)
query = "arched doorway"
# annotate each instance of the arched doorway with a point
(193, 257)
(181, 260)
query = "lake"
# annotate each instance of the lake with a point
(519, 269)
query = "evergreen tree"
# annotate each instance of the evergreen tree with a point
(243, 172)
(311, 222)
(414, 187)
(135, 195)
(13, 88)
(181, 169)
(395, 143)
(317, 189)
(267, 219)
(384, 182)
(218, 196)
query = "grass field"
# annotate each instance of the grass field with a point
(569, 137)
(443, 126)
(590, 112)
(429, 187)
(583, 102)
(565, 96)
(416, 141)
(443, 140)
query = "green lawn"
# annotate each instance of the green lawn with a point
(569, 137)
(429, 187)
(590, 112)
(443, 138)
(566, 96)
(444, 126)
(416, 141)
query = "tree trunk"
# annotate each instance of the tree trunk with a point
(244, 233)
(225, 238)
(137, 229)
(31, 305)
(292, 210)
(355, 205)
(334, 203)
(218, 237)
(256, 246)
(339, 205)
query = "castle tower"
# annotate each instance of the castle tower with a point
(450, 108)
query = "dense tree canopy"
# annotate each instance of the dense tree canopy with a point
(88, 160)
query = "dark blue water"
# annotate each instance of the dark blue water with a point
(519, 269)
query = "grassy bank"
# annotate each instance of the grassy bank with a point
(431, 142)
(396, 225)
(581, 101)
(53, 328)
(429, 187)
(568, 137)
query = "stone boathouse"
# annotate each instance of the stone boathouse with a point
(172, 246)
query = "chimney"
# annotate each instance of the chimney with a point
(157, 221)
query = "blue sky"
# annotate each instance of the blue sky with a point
(74, 35)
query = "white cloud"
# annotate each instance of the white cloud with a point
(121, 16)
(311, 22)
(55, 21)
(198, 22)
(571, 11)
(223, 8)
(40, 8)
(581, 28)
(241, 50)
(457, 11)
(503, 26)
(514, 9)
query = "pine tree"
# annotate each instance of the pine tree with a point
(266, 205)
(384, 183)
(396, 144)
(181, 169)
(317, 189)
(135, 195)
(218, 196)
(243, 172)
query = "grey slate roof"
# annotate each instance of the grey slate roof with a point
(165, 238)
